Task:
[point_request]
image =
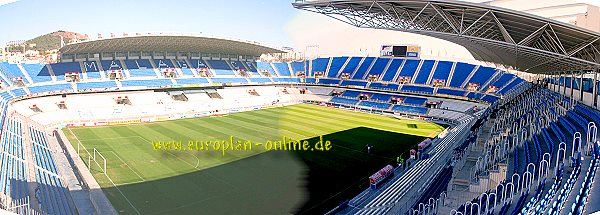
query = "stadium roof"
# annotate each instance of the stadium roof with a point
(169, 43)
(520, 40)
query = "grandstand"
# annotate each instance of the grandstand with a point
(50, 98)
(532, 151)
(408, 135)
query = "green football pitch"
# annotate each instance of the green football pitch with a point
(145, 180)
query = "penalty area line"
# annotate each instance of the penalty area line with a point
(129, 167)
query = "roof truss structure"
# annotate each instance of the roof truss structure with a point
(516, 39)
(167, 43)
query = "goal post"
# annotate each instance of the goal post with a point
(103, 160)
(95, 156)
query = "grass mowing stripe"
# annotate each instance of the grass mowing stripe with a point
(381, 124)
(177, 186)
(187, 155)
(340, 120)
(362, 115)
(141, 156)
(305, 128)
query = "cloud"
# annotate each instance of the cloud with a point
(3, 2)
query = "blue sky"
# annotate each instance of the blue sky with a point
(257, 20)
(270, 22)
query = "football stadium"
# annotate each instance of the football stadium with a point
(175, 123)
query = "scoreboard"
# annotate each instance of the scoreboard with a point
(410, 51)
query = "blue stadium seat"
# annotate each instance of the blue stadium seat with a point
(379, 66)
(442, 70)
(163, 64)
(220, 67)
(392, 70)
(414, 101)
(352, 65)
(198, 64)
(343, 101)
(318, 65)
(60, 69)
(286, 80)
(36, 72)
(510, 86)
(312, 80)
(381, 97)
(384, 86)
(329, 81)
(147, 83)
(417, 89)
(261, 80)
(92, 69)
(19, 92)
(111, 65)
(266, 66)
(191, 81)
(374, 105)
(96, 85)
(503, 80)
(252, 67)
(49, 88)
(452, 92)
(14, 71)
(283, 69)
(140, 68)
(298, 67)
(461, 72)
(410, 109)
(424, 72)
(351, 94)
(363, 68)
(482, 75)
(336, 65)
(186, 70)
(229, 80)
(409, 68)
(354, 83)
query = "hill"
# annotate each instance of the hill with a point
(51, 41)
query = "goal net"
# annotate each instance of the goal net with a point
(99, 161)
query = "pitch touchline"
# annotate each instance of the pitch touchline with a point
(112, 138)
(143, 180)
(225, 182)
(111, 181)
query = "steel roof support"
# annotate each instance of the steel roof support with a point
(516, 39)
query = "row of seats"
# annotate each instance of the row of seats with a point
(424, 90)
(436, 189)
(458, 74)
(41, 153)
(418, 72)
(13, 168)
(137, 68)
(385, 98)
(152, 83)
(381, 101)
(563, 196)
(52, 194)
(370, 105)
